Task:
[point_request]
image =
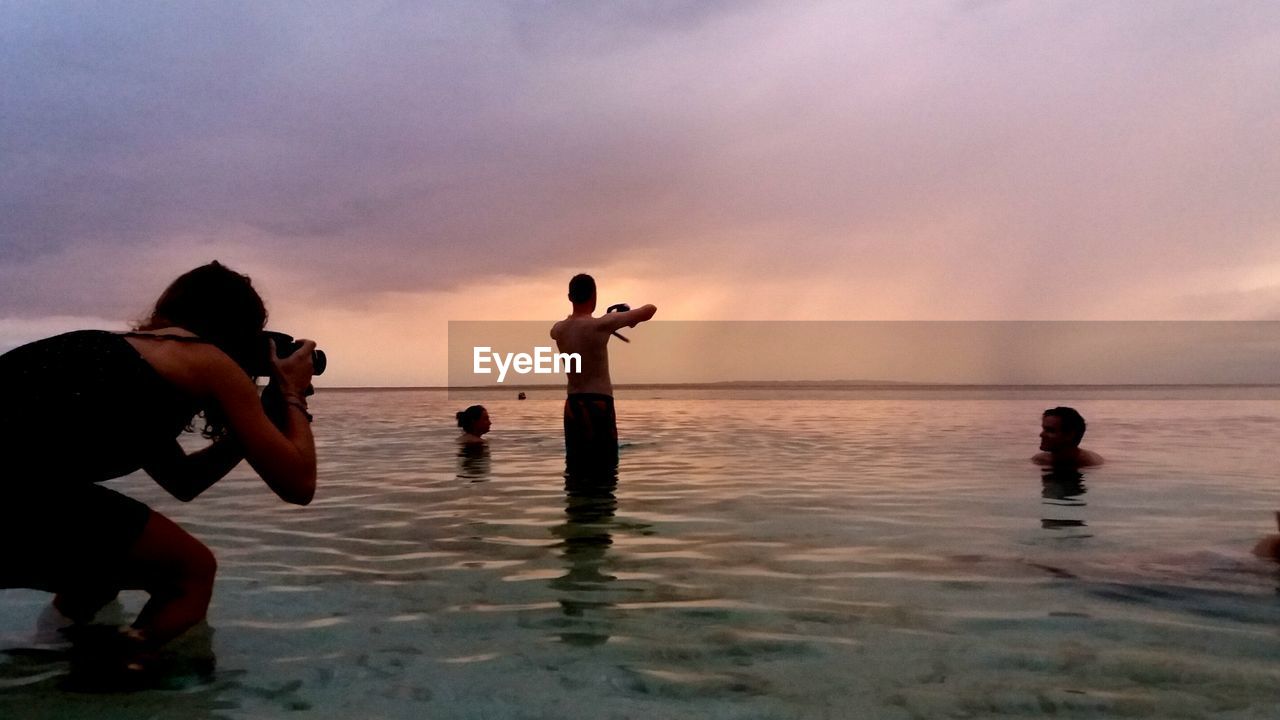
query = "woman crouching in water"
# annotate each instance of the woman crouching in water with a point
(91, 405)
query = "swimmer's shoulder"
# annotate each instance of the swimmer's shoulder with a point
(1084, 458)
(1091, 458)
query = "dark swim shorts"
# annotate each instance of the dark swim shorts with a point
(590, 430)
(67, 537)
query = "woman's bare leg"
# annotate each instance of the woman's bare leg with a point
(177, 571)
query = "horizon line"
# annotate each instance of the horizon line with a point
(815, 384)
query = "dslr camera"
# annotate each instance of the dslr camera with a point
(286, 346)
(620, 307)
(273, 401)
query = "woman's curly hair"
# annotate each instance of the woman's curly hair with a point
(220, 306)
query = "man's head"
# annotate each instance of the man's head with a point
(1061, 428)
(582, 290)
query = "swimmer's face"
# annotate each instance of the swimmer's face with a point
(482, 425)
(1053, 436)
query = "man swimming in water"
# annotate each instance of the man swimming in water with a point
(1061, 430)
(590, 425)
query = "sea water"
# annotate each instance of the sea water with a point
(818, 555)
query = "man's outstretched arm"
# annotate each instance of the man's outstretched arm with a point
(630, 318)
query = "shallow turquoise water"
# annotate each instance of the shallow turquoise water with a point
(807, 558)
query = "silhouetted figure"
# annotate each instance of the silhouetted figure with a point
(88, 406)
(590, 423)
(474, 422)
(1061, 430)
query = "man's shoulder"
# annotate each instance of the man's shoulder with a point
(577, 323)
(564, 324)
(1089, 457)
(1084, 458)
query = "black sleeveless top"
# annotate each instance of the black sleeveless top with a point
(83, 407)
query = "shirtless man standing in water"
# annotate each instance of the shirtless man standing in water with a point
(590, 426)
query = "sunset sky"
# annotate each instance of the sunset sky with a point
(382, 168)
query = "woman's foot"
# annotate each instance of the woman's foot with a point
(106, 658)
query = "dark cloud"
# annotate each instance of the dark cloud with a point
(1011, 149)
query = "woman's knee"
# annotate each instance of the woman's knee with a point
(201, 567)
(167, 558)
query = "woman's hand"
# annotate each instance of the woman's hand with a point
(293, 373)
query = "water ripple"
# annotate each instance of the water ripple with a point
(756, 559)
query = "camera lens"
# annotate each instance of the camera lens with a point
(318, 362)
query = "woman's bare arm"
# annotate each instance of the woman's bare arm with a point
(186, 475)
(284, 456)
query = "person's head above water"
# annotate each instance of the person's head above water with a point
(1061, 428)
(474, 420)
(219, 305)
(582, 291)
